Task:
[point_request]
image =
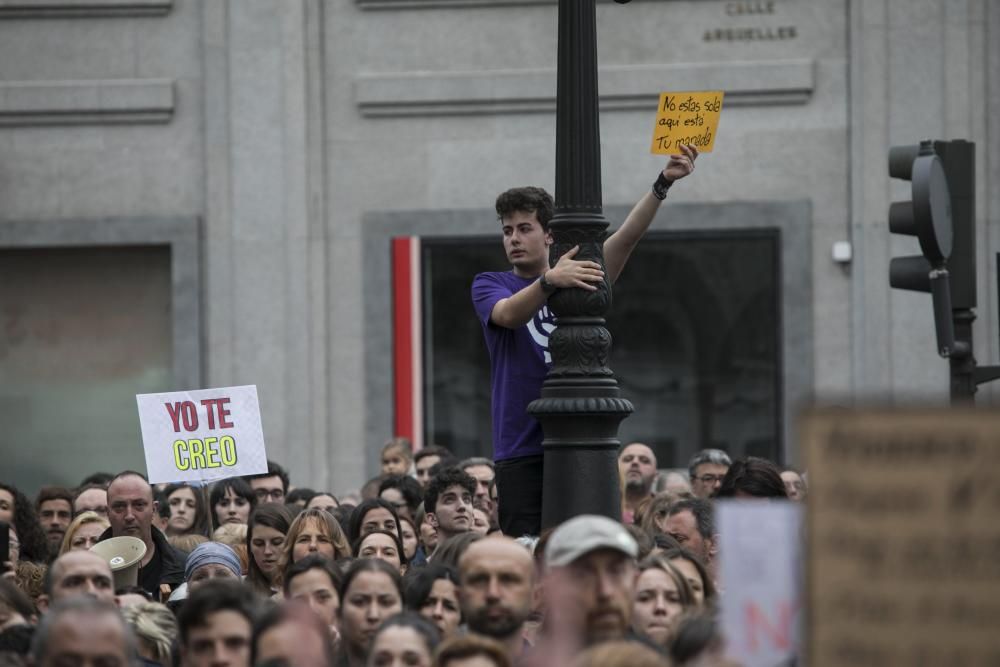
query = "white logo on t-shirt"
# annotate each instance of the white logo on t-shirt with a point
(541, 327)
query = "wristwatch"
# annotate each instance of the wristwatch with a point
(547, 287)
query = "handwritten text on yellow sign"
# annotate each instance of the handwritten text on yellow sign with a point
(686, 118)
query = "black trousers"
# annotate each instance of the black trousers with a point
(519, 485)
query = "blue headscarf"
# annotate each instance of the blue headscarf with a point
(212, 552)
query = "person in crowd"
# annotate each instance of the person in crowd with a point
(692, 523)
(15, 607)
(155, 630)
(209, 561)
(427, 458)
(130, 512)
(620, 654)
(292, 635)
(215, 625)
(323, 500)
(232, 500)
(483, 471)
(637, 469)
(315, 581)
(480, 522)
(313, 532)
(795, 484)
(411, 543)
(427, 532)
(397, 457)
(596, 557)
(266, 533)
(300, 497)
(188, 514)
(448, 502)
(187, 543)
(676, 482)
(432, 592)
(654, 515)
(383, 545)
(54, 505)
(662, 595)
(689, 565)
(131, 595)
(91, 498)
(403, 492)
(371, 515)
(752, 477)
(512, 309)
(83, 532)
(404, 639)
(270, 486)
(77, 573)
(497, 578)
(471, 651)
(82, 631)
(370, 593)
(699, 641)
(17, 510)
(450, 551)
(707, 468)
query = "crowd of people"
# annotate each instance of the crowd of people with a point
(411, 570)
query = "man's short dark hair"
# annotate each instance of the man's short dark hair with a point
(101, 479)
(432, 450)
(213, 596)
(753, 476)
(84, 605)
(48, 493)
(702, 512)
(411, 490)
(301, 493)
(273, 469)
(444, 479)
(312, 562)
(529, 199)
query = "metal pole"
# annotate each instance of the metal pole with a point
(580, 406)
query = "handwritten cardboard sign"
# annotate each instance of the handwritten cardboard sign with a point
(903, 537)
(202, 435)
(760, 558)
(687, 118)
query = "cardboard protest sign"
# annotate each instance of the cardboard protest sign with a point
(687, 118)
(903, 538)
(202, 435)
(760, 558)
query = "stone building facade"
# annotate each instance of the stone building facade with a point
(204, 193)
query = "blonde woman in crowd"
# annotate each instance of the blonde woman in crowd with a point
(83, 532)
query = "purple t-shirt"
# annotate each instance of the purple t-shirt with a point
(519, 361)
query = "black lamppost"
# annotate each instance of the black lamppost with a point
(580, 407)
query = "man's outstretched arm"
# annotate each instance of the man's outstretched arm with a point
(618, 247)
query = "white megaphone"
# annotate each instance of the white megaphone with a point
(123, 555)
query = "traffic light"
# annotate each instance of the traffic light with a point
(928, 216)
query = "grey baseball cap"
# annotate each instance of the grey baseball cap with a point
(585, 533)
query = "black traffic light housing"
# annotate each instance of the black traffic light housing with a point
(928, 216)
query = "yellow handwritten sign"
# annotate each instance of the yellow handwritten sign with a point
(687, 118)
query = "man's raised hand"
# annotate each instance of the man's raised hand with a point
(569, 272)
(681, 165)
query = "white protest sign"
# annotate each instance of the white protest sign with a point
(202, 435)
(760, 552)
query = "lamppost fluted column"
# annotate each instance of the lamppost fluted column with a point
(580, 406)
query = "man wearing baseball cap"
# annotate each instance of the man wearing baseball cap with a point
(598, 556)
